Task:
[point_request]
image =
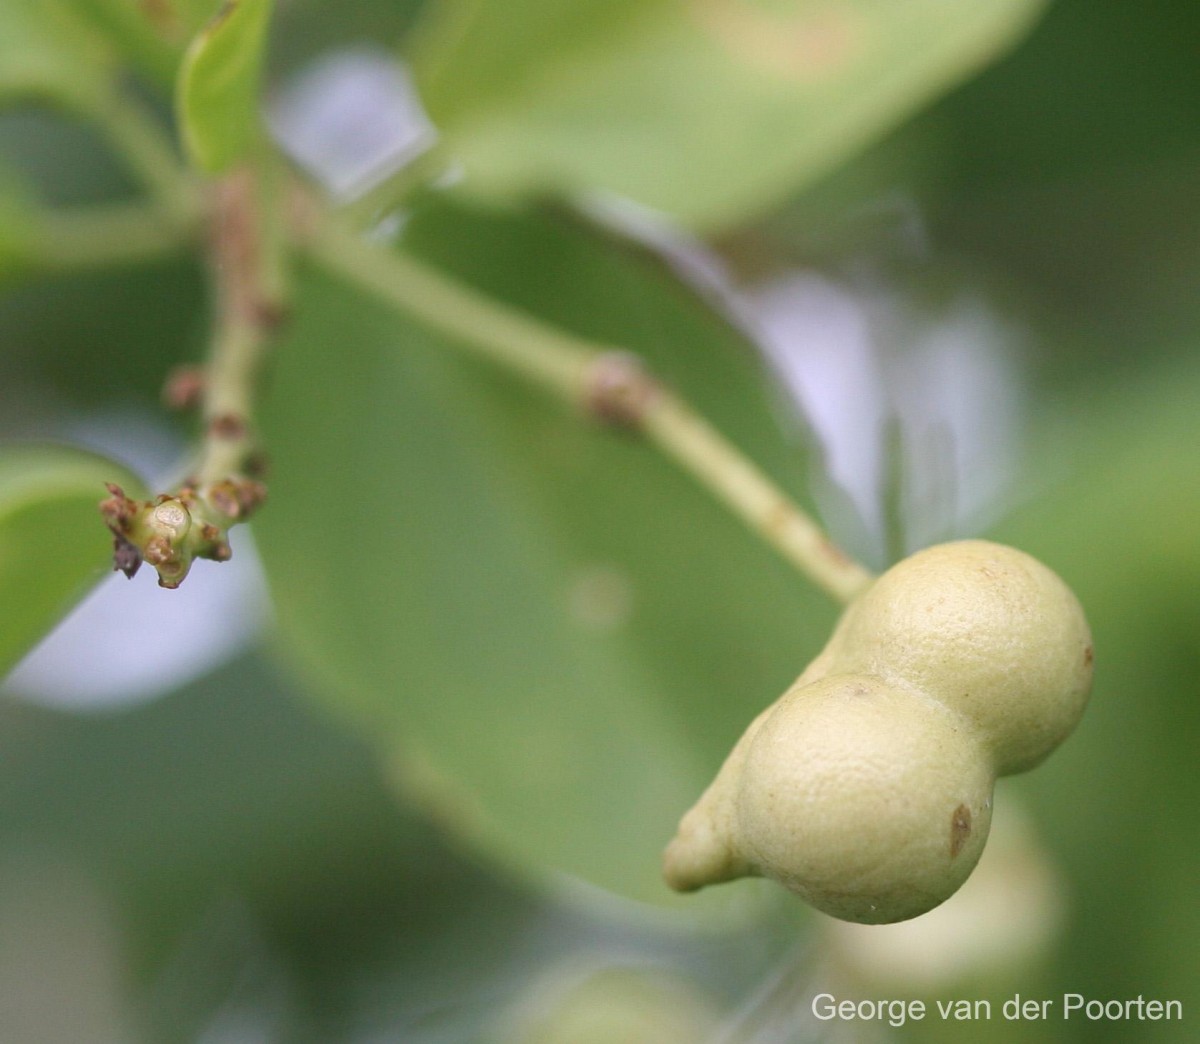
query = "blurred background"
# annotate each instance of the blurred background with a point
(407, 775)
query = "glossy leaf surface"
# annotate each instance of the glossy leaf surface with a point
(554, 635)
(217, 98)
(707, 110)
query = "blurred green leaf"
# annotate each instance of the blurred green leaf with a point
(552, 633)
(18, 225)
(69, 333)
(612, 1003)
(237, 828)
(225, 812)
(151, 35)
(708, 110)
(59, 954)
(217, 95)
(1117, 515)
(53, 544)
(48, 54)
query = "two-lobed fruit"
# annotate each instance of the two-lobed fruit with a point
(866, 788)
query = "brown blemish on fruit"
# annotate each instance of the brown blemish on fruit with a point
(960, 829)
(1088, 656)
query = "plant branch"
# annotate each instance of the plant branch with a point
(538, 352)
(697, 446)
(248, 278)
(607, 382)
(392, 191)
(223, 487)
(116, 233)
(147, 151)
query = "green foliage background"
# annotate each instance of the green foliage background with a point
(236, 849)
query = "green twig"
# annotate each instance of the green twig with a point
(391, 193)
(544, 355)
(698, 447)
(222, 487)
(147, 151)
(108, 234)
(609, 383)
(249, 280)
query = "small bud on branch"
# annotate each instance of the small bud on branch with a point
(171, 531)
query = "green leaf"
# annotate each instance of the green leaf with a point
(48, 54)
(553, 634)
(707, 110)
(1117, 515)
(53, 543)
(18, 225)
(151, 35)
(217, 95)
(232, 787)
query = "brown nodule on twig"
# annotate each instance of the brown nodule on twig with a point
(170, 531)
(236, 246)
(256, 464)
(619, 390)
(118, 510)
(237, 499)
(269, 315)
(184, 388)
(230, 426)
(223, 497)
(158, 551)
(126, 557)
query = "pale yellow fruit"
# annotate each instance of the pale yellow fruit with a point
(866, 788)
(702, 852)
(987, 630)
(870, 801)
